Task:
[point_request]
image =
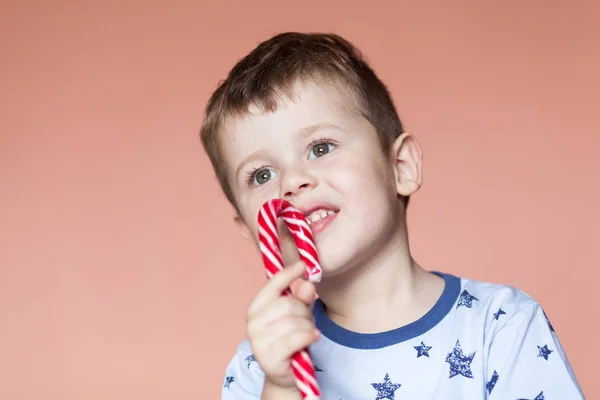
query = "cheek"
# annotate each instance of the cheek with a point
(369, 194)
(362, 179)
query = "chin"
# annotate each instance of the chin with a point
(335, 260)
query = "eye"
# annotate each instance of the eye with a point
(260, 175)
(321, 148)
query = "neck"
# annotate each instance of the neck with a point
(385, 293)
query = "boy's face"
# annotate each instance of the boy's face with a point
(319, 154)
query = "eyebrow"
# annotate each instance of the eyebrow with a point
(301, 133)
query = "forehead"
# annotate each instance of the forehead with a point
(311, 103)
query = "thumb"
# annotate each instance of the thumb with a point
(304, 291)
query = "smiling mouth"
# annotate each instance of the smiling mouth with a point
(320, 219)
(318, 215)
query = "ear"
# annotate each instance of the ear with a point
(407, 160)
(243, 227)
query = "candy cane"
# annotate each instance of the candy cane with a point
(304, 371)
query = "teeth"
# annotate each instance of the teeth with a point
(317, 215)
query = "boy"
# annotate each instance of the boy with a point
(304, 118)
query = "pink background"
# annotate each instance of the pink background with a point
(121, 273)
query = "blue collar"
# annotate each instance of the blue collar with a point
(356, 340)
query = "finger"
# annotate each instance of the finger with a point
(275, 287)
(282, 308)
(275, 356)
(295, 341)
(288, 336)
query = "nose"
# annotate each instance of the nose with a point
(295, 182)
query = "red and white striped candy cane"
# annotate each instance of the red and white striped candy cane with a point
(304, 371)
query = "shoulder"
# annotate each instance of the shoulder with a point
(521, 350)
(498, 304)
(492, 294)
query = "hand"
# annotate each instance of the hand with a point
(279, 326)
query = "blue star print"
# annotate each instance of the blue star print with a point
(544, 351)
(459, 362)
(490, 385)
(466, 299)
(228, 381)
(498, 313)
(249, 359)
(422, 350)
(538, 397)
(386, 389)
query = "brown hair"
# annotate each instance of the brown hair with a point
(272, 68)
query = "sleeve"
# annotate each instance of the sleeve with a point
(243, 377)
(527, 362)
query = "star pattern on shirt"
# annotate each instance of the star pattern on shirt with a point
(228, 381)
(422, 350)
(538, 397)
(250, 359)
(490, 385)
(459, 362)
(544, 351)
(498, 313)
(466, 299)
(386, 389)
